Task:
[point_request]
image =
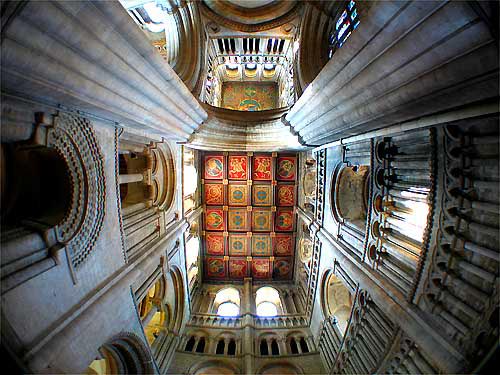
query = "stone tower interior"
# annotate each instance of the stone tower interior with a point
(250, 187)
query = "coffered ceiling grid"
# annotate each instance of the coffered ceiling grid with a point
(249, 215)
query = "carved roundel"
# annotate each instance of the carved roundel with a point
(74, 138)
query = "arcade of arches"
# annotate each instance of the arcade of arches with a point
(250, 187)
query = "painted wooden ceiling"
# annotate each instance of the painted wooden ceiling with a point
(249, 215)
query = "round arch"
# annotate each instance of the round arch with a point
(227, 302)
(336, 299)
(124, 353)
(214, 367)
(179, 298)
(280, 368)
(265, 298)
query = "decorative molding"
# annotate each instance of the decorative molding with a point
(75, 140)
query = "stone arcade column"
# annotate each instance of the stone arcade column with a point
(248, 324)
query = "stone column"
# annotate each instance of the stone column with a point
(296, 303)
(211, 342)
(129, 178)
(247, 300)
(290, 303)
(282, 345)
(247, 347)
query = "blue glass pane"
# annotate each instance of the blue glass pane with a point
(351, 4)
(343, 30)
(341, 19)
(354, 14)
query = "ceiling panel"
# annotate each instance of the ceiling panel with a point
(249, 221)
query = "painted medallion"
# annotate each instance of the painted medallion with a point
(282, 268)
(260, 268)
(261, 245)
(262, 167)
(284, 219)
(238, 168)
(285, 168)
(238, 244)
(283, 245)
(214, 167)
(214, 194)
(238, 219)
(215, 243)
(216, 267)
(262, 195)
(214, 219)
(238, 195)
(237, 267)
(261, 220)
(286, 195)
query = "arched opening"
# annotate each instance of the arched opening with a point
(264, 350)
(351, 195)
(227, 302)
(280, 368)
(268, 302)
(231, 347)
(214, 367)
(125, 354)
(294, 349)
(151, 311)
(35, 185)
(228, 309)
(267, 309)
(200, 348)
(133, 164)
(336, 301)
(274, 348)
(303, 345)
(220, 347)
(190, 179)
(190, 344)
(100, 367)
(176, 299)
(192, 253)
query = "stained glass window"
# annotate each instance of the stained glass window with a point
(347, 22)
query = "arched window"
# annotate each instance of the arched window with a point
(227, 302)
(345, 24)
(220, 347)
(228, 309)
(303, 345)
(192, 250)
(267, 309)
(190, 344)
(274, 348)
(200, 348)
(293, 346)
(231, 347)
(264, 350)
(190, 177)
(268, 302)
